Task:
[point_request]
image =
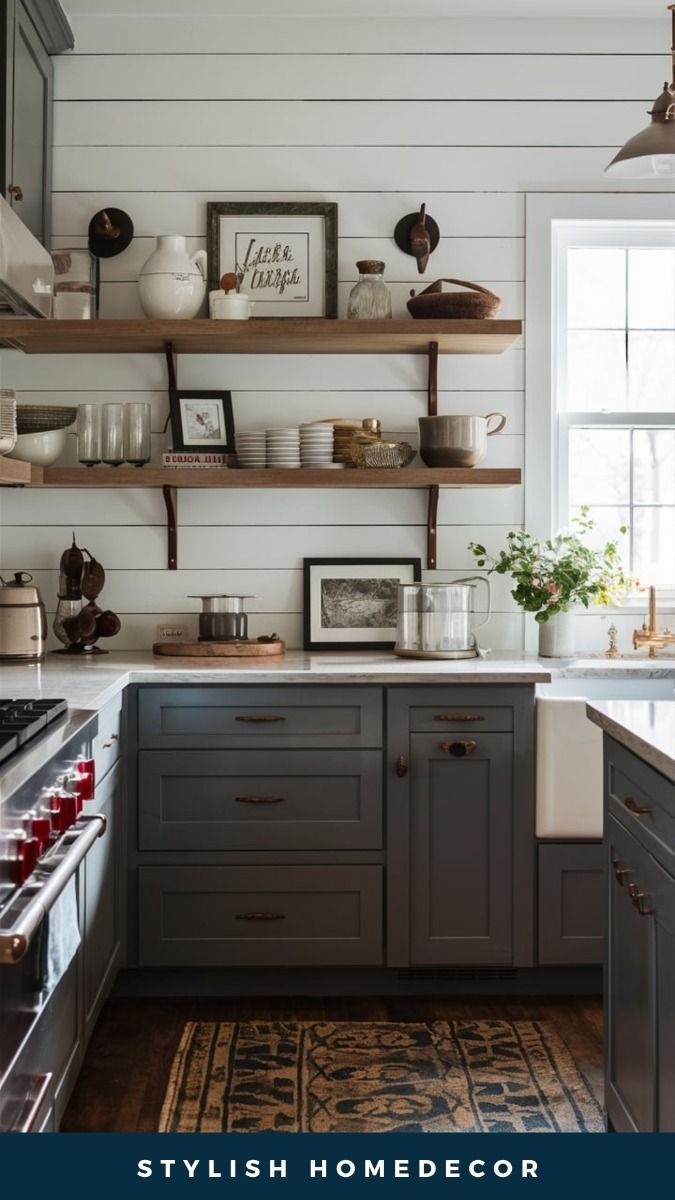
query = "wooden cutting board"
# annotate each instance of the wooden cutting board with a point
(250, 649)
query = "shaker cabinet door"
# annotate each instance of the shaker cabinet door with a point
(461, 832)
(27, 97)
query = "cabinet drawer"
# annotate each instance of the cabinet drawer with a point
(260, 916)
(571, 903)
(434, 718)
(107, 740)
(260, 800)
(643, 801)
(220, 717)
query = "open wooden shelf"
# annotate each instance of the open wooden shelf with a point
(17, 473)
(158, 477)
(263, 336)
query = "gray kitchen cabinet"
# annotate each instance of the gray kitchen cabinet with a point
(102, 893)
(571, 902)
(460, 850)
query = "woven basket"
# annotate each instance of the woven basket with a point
(42, 418)
(433, 304)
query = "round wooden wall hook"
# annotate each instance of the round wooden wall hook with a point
(110, 232)
(418, 234)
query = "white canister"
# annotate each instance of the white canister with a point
(556, 636)
(172, 284)
(230, 306)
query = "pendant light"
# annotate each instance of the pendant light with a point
(651, 153)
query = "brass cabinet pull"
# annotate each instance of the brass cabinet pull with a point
(620, 869)
(458, 749)
(15, 191)
(641, 903)
(640, 810)
(401, 766)
(261, 916)
(114, 737)
(459, 717)
(260, 799)
(259, 718)
(633, 890)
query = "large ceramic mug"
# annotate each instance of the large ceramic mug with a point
(457, 441)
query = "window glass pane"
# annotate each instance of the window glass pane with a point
(651, 371)
(596, 288)
(654, 467)
(596, 371)
(608, 522)
(651, 287)
(599, 466)
(654, 546)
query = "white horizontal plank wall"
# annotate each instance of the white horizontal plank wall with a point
(159, 116)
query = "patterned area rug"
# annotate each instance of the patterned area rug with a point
(330, 1077)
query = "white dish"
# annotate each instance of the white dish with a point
(40, 449)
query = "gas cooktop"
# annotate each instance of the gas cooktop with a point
(22, 720)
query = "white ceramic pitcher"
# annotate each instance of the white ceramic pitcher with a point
(172, 284)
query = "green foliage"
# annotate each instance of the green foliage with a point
(562, 571)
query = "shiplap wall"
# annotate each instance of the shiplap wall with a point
(159, 115)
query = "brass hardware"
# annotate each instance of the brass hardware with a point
(648, 635)
(259, 799)
(633, 890)
(261, 916)
(15, 191)
(459, 717)
(613, 650)
(114, 737)
(641, 810)
(641, 903)
(401, 766)
(620, 869)
(259, 718)
(458, 749)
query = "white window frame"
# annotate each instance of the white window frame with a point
(546, 235)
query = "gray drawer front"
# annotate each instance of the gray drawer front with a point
(458, 718)
(260, 916)
(107, 740)
(260, 800)
(229, 718)
(632, 785)
(571, 903)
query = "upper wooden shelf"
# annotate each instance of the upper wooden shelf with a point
(155, 477)
(306, 336)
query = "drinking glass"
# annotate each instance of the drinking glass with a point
(112, 451)
(137, 433)
(89, 434)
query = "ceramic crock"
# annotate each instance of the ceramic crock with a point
(172, 284)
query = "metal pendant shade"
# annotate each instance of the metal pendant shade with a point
(651, 153)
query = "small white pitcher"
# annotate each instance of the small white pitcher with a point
(172, 284)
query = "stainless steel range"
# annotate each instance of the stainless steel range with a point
(44, 837)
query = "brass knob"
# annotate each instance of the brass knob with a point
(458, 749)
(401, 766)
(15, 191)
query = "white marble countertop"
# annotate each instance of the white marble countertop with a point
(646, 727)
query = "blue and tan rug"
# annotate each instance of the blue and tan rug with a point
(366, 1077)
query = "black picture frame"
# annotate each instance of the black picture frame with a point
(215, 209)
(182, 441)
(311, 642)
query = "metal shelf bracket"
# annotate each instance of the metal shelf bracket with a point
(432, 411)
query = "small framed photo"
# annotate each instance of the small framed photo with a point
(202, 421)
(285, 255)
(352, 603)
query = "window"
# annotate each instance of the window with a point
(613, 377)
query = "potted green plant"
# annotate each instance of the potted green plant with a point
(555, 576)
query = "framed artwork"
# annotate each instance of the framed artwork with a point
(285, 255)
(352, 603)
(202, 421)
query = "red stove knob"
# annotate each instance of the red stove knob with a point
(85, 771)
(64, 811)
(38, 827)
(25, 858)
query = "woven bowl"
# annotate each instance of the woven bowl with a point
(42, 418)
(433, 304)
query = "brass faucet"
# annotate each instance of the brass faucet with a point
(647, 635)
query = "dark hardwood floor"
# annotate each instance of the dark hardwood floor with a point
(122, 1084)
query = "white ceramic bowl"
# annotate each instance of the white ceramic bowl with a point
(40, 449)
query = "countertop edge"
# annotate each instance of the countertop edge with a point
(661, 760)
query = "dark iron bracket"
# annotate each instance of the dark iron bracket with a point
(432, 411)
(170, 495)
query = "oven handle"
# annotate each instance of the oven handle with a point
(14, 942)
(43, 1084)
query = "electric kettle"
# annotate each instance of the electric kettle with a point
(434, 619)
(23, 620)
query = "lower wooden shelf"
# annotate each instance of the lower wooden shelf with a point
(158, 477)
(15, 473)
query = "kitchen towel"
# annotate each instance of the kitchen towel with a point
(61, 938)
(569, 770)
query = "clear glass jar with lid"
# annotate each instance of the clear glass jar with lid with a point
(369, 299)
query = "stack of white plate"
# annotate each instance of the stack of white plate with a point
(316, 445)
(283, 448)
(7, 420)
(251, 449)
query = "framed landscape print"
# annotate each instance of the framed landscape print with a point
(202, 421)
(352, 603)
(285, 255)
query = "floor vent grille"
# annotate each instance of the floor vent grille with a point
(458, 974)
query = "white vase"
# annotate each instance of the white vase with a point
(556, 636)
(172, 284)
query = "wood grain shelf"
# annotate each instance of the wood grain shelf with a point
(263, 336)
(158, 477)
(14, 473)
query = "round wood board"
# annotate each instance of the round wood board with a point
(218, 649)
